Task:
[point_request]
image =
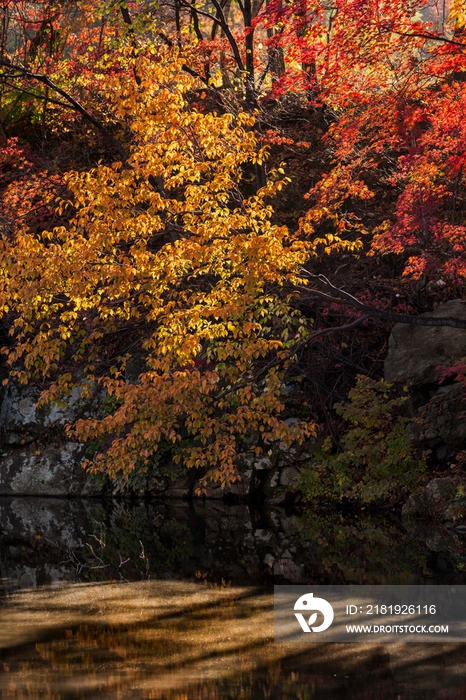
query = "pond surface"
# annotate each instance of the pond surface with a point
(174, 601)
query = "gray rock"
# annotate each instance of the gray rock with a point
(290, 422)
(433, 500)
(52, 470)
(48, 532)
(415, 352)
(443, 488)
(263, 537)
(441, 420)
(289, 453)
(442, 452)
(21, 420)
(288, 475)
(271, 482)
(263, 462)
(61, 522)
(286, 567)
(446, 411)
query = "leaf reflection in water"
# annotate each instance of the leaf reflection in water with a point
(173, 640)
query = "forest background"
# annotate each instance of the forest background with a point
(236, 200)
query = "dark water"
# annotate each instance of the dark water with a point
(174, 601)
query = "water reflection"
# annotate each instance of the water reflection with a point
(173, 602)
(172, 640)
(47, 541)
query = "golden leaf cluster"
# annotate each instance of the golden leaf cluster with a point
(167, 244)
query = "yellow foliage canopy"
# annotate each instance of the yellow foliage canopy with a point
(457, 15)
(168, 245)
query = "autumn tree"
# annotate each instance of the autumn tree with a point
(167, 244)
(393, 82)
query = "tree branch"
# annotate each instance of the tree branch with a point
(184, 67)
(37, 97)
(228, 34)
(283, 358)
(41, 78)
(127, 20)
(430, 37)
(339, 296)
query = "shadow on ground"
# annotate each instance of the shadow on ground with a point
(173, 640)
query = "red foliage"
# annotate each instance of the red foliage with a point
(27, 191)
(393, 76)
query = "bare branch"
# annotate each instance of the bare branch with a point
(184, 67)
(431, 37)
(127, 20)
(339, 296)
(37, 97)
(228, 34)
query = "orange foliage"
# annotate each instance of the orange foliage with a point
(169, 243)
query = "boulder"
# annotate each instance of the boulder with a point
(51, 470)
(416, 352)
(288, 476)
(271, 482)
(21, 421)
(263, 462)
(436, 500)
(442, 421)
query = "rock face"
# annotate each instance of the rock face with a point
(46, 541)
(38, 538)
(415, 357)
(415, 352)
(35, 458)
(22, 422)
(442, 423)
(432, 500)
(48, 469)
